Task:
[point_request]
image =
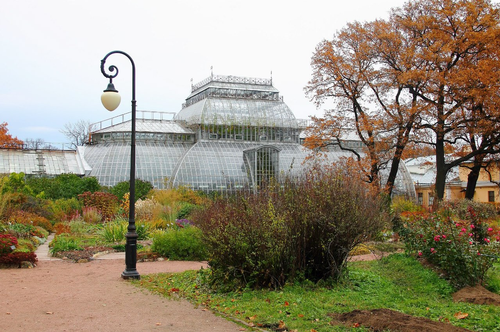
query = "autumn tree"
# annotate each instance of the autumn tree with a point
(6, 139)
(457, 52)
(357, 71)
(429, 74)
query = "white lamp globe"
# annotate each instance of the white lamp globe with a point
(110, 98)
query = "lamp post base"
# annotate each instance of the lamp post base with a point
(131, 275)
(131, 255)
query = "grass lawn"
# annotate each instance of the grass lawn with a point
(396, 282)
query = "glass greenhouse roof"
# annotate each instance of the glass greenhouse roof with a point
(258, 113)
(232, 100)
(40, 162)
(147, 126)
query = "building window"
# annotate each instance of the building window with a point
(491, 196)
(420, 198)
(431, 199)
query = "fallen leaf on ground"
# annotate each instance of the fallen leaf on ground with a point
(158, 324)
(461, 315)
(282, 325)
(49, 313)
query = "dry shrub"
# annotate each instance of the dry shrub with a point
(28, 218)
(62, 227)
(148, 209)
(303, 227)
(91, 215)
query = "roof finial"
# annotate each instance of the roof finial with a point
(212, 71)
(271, 77)
(191, 83)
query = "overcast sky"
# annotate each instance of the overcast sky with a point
(51, 51)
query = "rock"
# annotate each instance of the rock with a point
(26, 265)
(160, 259)
(83, 260)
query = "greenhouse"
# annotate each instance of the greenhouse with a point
(232, 133)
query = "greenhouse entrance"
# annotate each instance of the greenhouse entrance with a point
(262, 164)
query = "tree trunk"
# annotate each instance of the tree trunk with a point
(472, 181)
(440, 170)
(389, 186)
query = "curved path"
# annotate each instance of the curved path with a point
(60, 295)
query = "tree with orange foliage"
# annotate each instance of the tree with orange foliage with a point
(420, 77)
(457, 42)
(371, 101)
(6, 139)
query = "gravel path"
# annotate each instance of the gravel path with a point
(60, 295)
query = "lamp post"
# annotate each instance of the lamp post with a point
(111, 99)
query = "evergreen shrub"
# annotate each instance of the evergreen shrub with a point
(180, 244)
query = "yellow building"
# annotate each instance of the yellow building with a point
(423, 173)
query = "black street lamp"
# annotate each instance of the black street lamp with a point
(111, 99)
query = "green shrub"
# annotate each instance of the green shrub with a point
(20, 231)
(64, 209)
(180, 244)
(25, 245)
(301, 228)
(65, 242)
(142, 229)
(16, 183)
(142, 188)
(463, 249)
(185, 210)
(63, 186)
(80, 227)
(114, 232)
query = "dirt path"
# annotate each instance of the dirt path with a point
(64, 296)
